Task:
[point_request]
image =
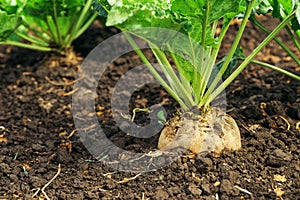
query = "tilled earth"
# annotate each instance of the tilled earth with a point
(38, 138)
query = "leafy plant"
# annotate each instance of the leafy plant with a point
(198, 20)
(45, 25)
(198, 80)
(280, 9)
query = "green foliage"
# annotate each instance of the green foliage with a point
(194, 55)
(186, 16)
(48, 25)
(280, 9)
(8, 24)
(161, 117)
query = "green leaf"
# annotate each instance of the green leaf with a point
(46, 21)
(12, 7)
(186, 16)
(295, 23)
(221, 8)
(38, 8)
(97, 6)
(264, 7)
(189, 8)
(8, 24)
(185, 68)
(64, 24)
(45, 8)
(281, 8)
(131, 15)
(161, 116)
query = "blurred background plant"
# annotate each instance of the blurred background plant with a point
(280, 9)
(44, 25)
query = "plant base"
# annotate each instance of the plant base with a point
(213, 131)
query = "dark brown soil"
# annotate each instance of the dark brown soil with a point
(36, 122)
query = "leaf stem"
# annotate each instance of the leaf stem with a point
(294, 39)
(53, 35)
(173, 79)
(86, 25)
(32, 39)
(283, 46)
(28, 46)
(199, 82)
(275, 68)
(213, 56)
(223, 32)
(230, 54)
(186, 84)
(81, 20)
(250, 57)
(35, 29)
(59, 36)
(153, 71)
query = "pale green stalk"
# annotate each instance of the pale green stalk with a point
(81, 20)
(154, 72)
(43, 36)
(294, 39)
(230, 54)
(186, 84)
(28, 46)
(35, 40)
(59, 36)
(242, 66)
(198, 81)
(173, 79)
(213, 57)
(213, 33)
(213, 53)
(163, 66)
(53, 35)
(86, 25)
(283, 46)
(275, 68)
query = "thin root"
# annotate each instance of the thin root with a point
(47, 184)
(66, 83)
(135, 110)
(243, 190)
(88, 128)
(37, 191)
(298, 126)
(139, 110)
(125, 180)
(68, 93)
(263, 107)
(71, 134)
(285, 120)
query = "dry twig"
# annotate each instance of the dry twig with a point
(66, 82)
(285, 120)
(125, 180)
(47, 184)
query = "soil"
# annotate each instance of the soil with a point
(38, 138)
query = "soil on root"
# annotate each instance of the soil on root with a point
(211, 131)
(37, 129)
